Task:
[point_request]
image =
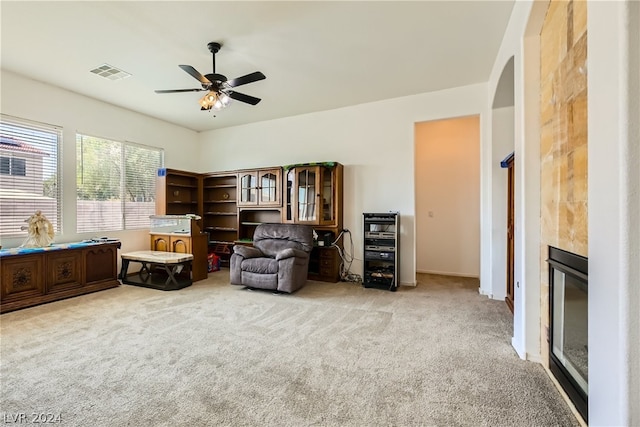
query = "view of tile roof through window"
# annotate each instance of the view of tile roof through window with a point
(110, 72)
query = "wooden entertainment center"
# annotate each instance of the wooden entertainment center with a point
(233, 203)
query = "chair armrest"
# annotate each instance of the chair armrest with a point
(247, 251)
(291, 252)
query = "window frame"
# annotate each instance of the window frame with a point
(42, 138)
(125, 220)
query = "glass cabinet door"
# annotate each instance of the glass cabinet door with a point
(248, 189)
(268, 187)
(289, 196)
(311, 195)
(328, 197)
(307, 195)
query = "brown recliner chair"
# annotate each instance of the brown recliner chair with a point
(278, 260)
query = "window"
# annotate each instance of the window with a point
(116, 184)
(29, 173)
(13, 166)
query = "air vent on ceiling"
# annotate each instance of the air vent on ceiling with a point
(110, 72)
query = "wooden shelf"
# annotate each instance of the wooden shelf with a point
(221, 213)
(221, 186)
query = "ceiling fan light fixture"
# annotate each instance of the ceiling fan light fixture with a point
(204, 102)
(225, 99)
(214, 100)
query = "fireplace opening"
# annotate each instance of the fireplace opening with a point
(568, 325)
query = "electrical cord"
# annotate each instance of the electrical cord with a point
(347, 259)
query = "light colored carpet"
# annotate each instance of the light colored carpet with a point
(329, 355)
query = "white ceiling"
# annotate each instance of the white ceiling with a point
(316, 55)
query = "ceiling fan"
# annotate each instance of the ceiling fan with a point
(220, 90)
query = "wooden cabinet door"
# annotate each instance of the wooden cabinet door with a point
(22, 277)
(181, 245)
(100, 264)
(329, 264)
(160, 243)
(64, 270)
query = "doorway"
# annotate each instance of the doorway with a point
(447, 177)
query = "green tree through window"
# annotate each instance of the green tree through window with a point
(115, 184)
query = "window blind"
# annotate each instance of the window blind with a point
(29, 174)
(115, 184)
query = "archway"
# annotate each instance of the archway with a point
(502, 145)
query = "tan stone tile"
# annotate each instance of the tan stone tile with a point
(563, 171)
(579, 18)
(577, 133)
(565, 225)
(546, 141)
(581, 229)
(580, 171)
(546, 102)
(553, 37)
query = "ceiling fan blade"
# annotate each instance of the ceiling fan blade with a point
(179, 90)
(195, 74)
(249, 78)
(243, 98)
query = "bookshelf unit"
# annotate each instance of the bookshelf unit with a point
(178, 192)
(220, 212)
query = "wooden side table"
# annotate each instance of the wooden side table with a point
(172, 264)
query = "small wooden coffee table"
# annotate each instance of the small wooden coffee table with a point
(174, 269)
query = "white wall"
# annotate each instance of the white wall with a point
(519, 42)
(447, 165)
(77, 113)
(374, 141)
(614, 199)
(502, 145)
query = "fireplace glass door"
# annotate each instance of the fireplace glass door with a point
(568, 347)
(570, 326)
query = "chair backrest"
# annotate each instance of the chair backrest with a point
(272, 238)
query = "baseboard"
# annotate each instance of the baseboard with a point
(414, 284)
(447, 273)
(485, 293)
(534, 358)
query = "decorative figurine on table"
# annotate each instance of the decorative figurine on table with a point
(40, 231)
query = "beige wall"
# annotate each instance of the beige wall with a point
(447, 169)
